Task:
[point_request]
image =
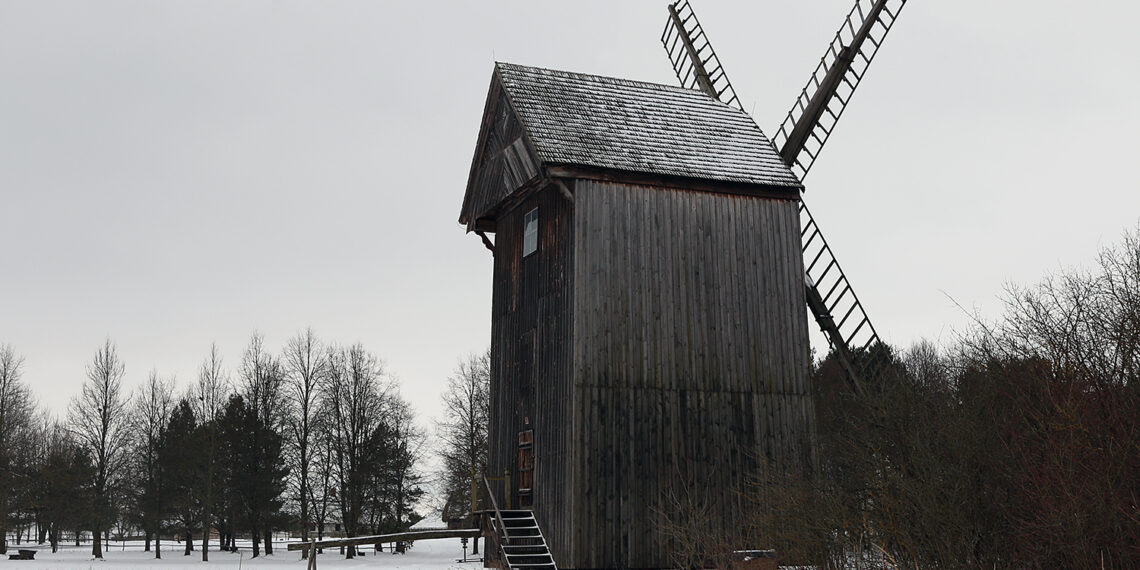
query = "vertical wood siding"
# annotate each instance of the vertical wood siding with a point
(690, 358)
(530, 312)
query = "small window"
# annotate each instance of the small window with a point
(530, 232)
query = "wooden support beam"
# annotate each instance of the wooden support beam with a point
(486, 241)
(397, 537)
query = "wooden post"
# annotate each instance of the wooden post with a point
(507, 486)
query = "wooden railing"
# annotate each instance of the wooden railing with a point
(376, 539)
(501, 533)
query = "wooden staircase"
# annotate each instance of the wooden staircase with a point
(521, 541)
(517, 538)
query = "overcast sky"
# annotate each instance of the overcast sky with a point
(179, 173)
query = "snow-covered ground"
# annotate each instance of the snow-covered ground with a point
(437, 554)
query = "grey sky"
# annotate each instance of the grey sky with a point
(178, 173)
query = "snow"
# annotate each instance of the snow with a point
(436, 554)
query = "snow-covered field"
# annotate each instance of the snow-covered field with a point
(424, 555)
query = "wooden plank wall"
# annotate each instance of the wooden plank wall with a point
(691, 358)
(530, 312)
(506, 161)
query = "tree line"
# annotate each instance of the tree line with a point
(295, 440)
(1017, 446)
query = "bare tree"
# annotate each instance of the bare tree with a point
(323, 490)
(208, 398)
(355, 403)
(150, 414)
(98, 418)
(463, 431)
(305, 366)
(262, 378)
(15, 415)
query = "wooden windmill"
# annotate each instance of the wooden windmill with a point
(799, 141)
(649, 345)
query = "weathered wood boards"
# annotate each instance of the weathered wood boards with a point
(690, 358)
(377, 539)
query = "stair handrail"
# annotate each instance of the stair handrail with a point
(495, 506)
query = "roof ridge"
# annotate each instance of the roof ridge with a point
(605, 79)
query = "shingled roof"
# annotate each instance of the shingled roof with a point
(574, 119)
(605, 122)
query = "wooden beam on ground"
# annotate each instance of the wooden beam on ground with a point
(397, 537)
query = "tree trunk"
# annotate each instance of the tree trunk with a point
(268, 541)
(206, 521)
(189, 537)
(148, 537)
(97, 542)
(256, 537)
(53, 534)
(304, 514)
(205, 540)
(157, 546)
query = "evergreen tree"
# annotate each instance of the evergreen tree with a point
(256, 472)
(62, 485)
(180, 464)
(399, 480)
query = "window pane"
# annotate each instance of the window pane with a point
(530, 232)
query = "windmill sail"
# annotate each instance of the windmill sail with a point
(816, 111)
(835, 306)
(830, 297)
(692, 56)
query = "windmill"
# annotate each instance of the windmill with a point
(799, 141)
(652, 257)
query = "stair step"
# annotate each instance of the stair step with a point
(543, 558)
(534, 540)
(511, 549)
(523, 545)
